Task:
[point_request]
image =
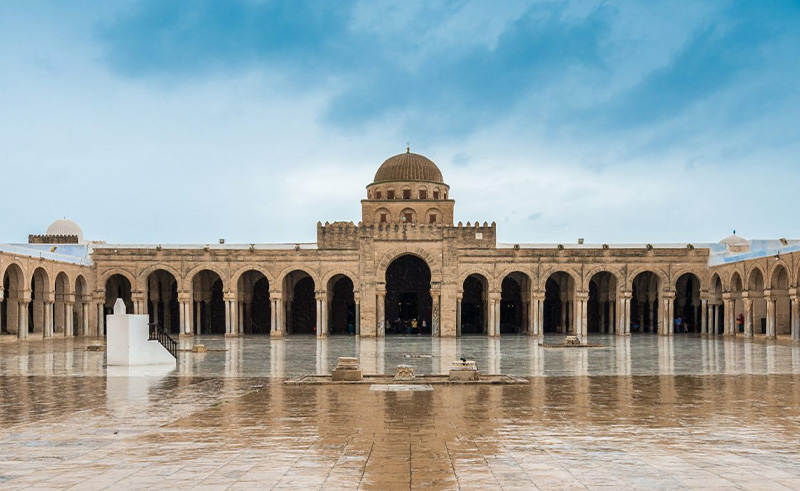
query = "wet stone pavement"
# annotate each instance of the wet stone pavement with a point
(642, 413)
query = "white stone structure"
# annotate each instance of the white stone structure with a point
(128, 341)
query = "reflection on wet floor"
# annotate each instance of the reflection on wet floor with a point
(258, 356)
(645, 412)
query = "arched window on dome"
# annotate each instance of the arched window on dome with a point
(423, 193)
(378, 194)
(407, 193)
(390, 194)
(435, 193)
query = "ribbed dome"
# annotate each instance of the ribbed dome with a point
(65, 227)
(408, 167)
(734, 240)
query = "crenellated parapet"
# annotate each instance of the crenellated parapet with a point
(346, 235)
(475, 235)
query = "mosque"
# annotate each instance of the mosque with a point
(405, 269)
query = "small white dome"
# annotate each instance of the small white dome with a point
(734, 240)
(65, 227)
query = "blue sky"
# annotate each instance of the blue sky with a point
(186, 121)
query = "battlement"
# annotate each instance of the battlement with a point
(53, 239)
(346, 235)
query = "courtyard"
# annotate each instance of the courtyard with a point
(642, 412)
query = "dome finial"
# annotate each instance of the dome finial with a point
(408, 147)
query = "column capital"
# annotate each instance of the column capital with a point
(320, 296)
(229, 296)
(794, 291)
(184, 297)
(582, 295)
(668, 295)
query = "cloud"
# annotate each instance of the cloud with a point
(253, 119)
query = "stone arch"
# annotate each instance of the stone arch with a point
(714, 281)
(755, 284)
(208, 299)
(299, 300)
(779, 284)
(646, 309)
(602, 285)
(390, 256)
(12, 281)
(587, 278)
(755, 274)
(663, 279)
(103, 279)
(769, 280)
(408, 302)
(146, 272)
(162, 287)
(254, 303)
(515, 289)
(687, 304)
(344, 272)
(474, 314)
(702, 277)
(574, 275)
(188, 278)
(735, 282)
(558, 308)
(486, 275)
(300, 267)
(62, 291)
(237, 275)
(19, 274)
(340, 308)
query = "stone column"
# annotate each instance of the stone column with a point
(795, 301)
(47, 320)
(85, 318)
(68, 327)
(358, 316)
(623, 313)
(458, 313)
(277, 327)
(494, 314)
(101, 320)
(602, 326)
(564, 328)
(185, 311)
(240, 312)
(531, 315)
(581, 317)
(138, 303)
(273, 313)
(727, 304)
(703, 316)
(771, 316)
(748, 316)
(380, 319)
(22, 319)
(322, 317)
(230, 314)
(671, 310)
(536, 302)
(436, 313)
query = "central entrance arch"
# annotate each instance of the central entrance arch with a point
(408, 296)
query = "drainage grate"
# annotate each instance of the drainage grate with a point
(400, 387)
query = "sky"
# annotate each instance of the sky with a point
(175, 121)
